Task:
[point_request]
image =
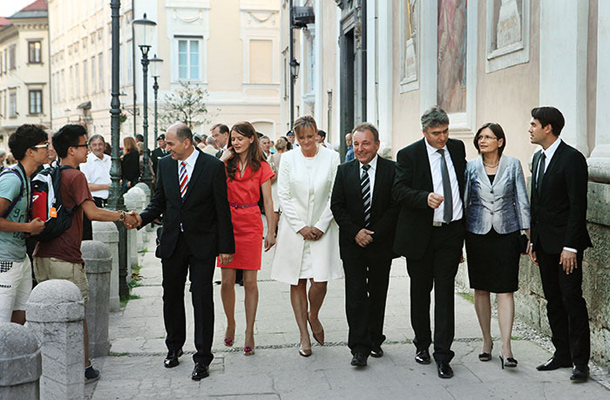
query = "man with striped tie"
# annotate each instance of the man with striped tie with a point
(363, 207)
(191, 193)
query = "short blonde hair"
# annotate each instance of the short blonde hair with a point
(305, 122)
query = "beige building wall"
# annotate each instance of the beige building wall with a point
(26, 77)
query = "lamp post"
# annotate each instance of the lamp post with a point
(144, 30)
(294, 73)
(155, 70)
(291, 56)
(115, 196)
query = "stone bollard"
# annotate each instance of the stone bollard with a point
(146, 190)
(139, 197)
(107, 232)
(98, 262)
(55, 313)
(131, 203)
(20, 363)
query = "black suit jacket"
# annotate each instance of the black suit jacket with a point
(348, 210)
(412, 185)
(156, 154)
(559, 212)
(204, 213)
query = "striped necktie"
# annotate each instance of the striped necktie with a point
(365, 187)
(184, 179)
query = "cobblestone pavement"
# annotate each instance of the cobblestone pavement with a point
(134, 370)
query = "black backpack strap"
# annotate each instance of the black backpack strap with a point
(16, 200)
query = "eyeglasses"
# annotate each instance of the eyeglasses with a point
(41, 146)
(486, 138)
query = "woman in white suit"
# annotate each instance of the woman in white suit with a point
(308, 237)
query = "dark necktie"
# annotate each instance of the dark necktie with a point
(365, 187)
(541, 172)
(184, 184)
(448, 201)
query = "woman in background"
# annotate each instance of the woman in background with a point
(130, 163)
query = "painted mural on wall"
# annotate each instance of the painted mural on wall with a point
(410, 26)
(507, 18)
(451, 80)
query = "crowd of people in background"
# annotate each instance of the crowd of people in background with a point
(327, 220)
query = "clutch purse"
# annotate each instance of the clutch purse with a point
(523, 243)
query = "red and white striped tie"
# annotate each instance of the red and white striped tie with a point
(184, 184)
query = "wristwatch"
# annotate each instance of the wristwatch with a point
(121, 215)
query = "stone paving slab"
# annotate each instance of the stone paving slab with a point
(135, 368)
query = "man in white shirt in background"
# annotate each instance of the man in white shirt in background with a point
(97, 172)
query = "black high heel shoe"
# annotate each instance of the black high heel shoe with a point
(486, 356)
(509, 362)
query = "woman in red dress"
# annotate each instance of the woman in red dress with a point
(248, 174)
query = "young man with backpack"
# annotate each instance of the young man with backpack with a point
(29, 146)
(60, 258)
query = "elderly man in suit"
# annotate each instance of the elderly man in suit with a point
(191, 193)
(366, 236)
(559, 238)
(428, 187)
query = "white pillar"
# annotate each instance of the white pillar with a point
(563, 65)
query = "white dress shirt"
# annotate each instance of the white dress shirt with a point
(434, 158)
(97, 171)
(190, 164)
(371, 173)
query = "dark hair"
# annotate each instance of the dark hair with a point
(221, 127)
(498, 132)
(367, 126)
(434, 116)
(549, 115)
(184, 132)
(322, 133)
(95, 137)
(68, 136)
(24, 138)
(255, 153)
(139, 137)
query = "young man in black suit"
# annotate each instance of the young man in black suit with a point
(366, 236)
(428, 187)
(191, 193)
(559, 238)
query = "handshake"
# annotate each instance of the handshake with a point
(132, 220)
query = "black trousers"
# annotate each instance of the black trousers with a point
(200, 273)
(366, 289)
(437, 268)
(566, 308)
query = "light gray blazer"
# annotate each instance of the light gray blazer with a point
(503, 205)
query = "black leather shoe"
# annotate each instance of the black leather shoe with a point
(580, 373)
(200, 371)
(359, 360)
(376, 352)
(423, 357)
(444, 370)
(171, 360)
(554, 363)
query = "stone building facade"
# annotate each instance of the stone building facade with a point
(483, 61)
(25, 93)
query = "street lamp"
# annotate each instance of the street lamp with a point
(294, 68)
(144, 32)
(155, 70)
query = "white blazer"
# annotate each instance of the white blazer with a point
(298, 212)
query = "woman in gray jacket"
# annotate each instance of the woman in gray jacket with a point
(496, 210)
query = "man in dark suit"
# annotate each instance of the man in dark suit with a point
(428, 187)
(191, 193)
(363, 207)
(220, 133)
(158, 153)
(559, 238)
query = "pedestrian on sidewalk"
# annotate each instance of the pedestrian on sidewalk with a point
(496, 209)
(248, 175)
(191, 193)
(366, 236)
(29, 145)
(559, 239)
(308, 236)
(61, 257)
(429, 186)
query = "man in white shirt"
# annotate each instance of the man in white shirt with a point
(97, 172)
